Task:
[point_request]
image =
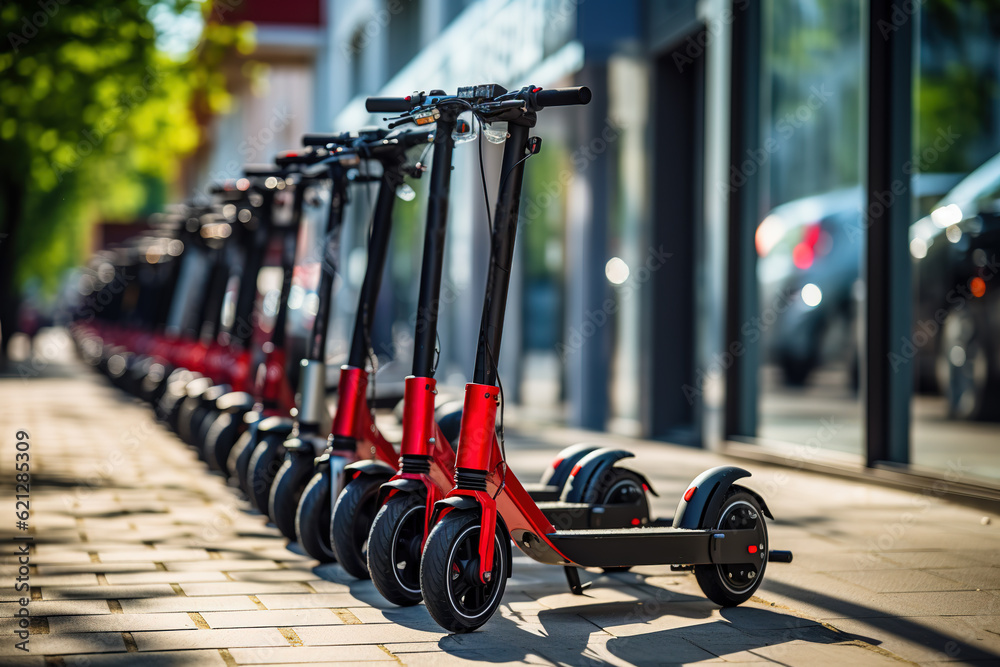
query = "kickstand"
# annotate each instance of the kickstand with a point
(573, 579)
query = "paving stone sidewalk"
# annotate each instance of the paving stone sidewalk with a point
(141, 556)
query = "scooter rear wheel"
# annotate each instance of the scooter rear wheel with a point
(733, 584)
(312, 520)
(394, 544)
(449, 573)
(352, 523)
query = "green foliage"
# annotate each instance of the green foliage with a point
(93, 119)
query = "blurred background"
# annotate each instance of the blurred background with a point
(693, 256)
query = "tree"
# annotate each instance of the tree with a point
(93, 119)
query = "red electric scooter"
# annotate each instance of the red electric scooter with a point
(302, 480)
(387, 545)
(718, 529)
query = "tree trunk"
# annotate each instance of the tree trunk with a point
(13, 209)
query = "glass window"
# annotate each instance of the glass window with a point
(809, 241)
(954, 348)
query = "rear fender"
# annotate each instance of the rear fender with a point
(589, 469)
(558, 471)
(705, 500)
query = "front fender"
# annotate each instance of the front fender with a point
(369, 468)
(235, 401)
(282, 425)
(400, 485)
(705, 500)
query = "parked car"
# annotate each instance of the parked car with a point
(956, 258)
(810, 252)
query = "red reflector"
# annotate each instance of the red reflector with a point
(689, 493)
(752, 549)
(978, 287)
(635, 521)
(555, 464)
(575, 470)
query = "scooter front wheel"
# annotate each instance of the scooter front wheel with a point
(219, 441)
(312, 519)
(449, 573)
(729, 585)
(394, 544)
(238, 462)
(352, 522)
(286, 492)
(264, 464)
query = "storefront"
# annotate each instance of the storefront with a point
(767, 233)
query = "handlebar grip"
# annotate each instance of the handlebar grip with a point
(265, 169)
(416, 138)
(563, 97)
(320, 138)
(290, 157)
(390, 104)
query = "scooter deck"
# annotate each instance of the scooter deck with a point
(543, 493)
(577, 516)
(629, 547)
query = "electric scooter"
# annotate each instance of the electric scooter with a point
(300, 453)
(301, 498)
(238, 414)
(427, 451)
(718, 529)
(199, 356)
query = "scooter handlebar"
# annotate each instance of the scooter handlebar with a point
(321, 139)
(388, 104)
(562, 97)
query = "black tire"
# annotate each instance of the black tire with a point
(449, 573)
(620, 486)
(394, 549)
(312, 519)
(964, 369)
(352, 522)
(200, 436)
(220, 439)
(239, 457)
(264, 464)
(286, 492)
(731, 585)
(185, 415)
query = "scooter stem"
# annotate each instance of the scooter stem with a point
(501, 252)
(437, 219)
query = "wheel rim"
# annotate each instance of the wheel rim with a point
(965, 364)
(407, 540)
(740, 577)
(469, 598)
(623, 492)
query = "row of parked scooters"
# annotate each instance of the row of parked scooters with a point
(183, 318)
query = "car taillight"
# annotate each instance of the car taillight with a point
(804, 252)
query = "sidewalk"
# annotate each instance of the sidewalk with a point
(138, 549)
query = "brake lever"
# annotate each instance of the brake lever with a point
(401, 121)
